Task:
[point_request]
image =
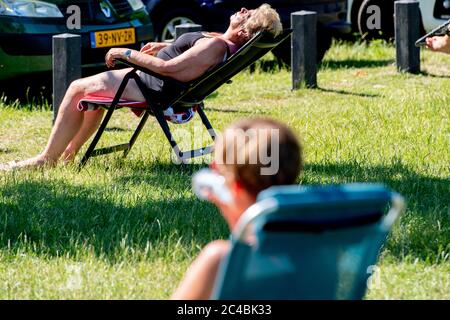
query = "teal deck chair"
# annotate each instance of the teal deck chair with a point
(308, 242)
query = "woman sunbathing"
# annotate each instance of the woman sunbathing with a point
(235, 153)
(186, 59)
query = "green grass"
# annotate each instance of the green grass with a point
(130, 228)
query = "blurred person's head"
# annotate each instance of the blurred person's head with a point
(252, 155)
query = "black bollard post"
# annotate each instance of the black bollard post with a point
(407, 31)
(304, 49)
(185, 28)
(66, 66)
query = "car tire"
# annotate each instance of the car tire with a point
(324, 39)
(386, 30)
(165, 26)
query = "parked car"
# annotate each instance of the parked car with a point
(27, 27)
(214, 15)
(433, 12)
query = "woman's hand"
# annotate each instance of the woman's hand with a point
(114, 53)
(152, 48)
(441, 44)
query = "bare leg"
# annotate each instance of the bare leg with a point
(72, 128)
(91, 122)
(67, 124)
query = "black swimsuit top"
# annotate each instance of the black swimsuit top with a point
(183, 43)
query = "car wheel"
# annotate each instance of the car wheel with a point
(283, 51)
(165, 27)
(385, 29)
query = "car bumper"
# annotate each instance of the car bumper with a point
(30, 51)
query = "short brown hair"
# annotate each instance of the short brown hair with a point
(249, 173)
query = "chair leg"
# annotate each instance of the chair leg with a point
(166, 129)
(206, 122)
(105, 121)
(136, 133)
(159, 115)
(182, 157)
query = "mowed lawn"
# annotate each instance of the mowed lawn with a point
(129, 228)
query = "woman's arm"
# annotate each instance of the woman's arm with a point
(188, 66)
(199, 279)
(441, 44)
(152, 48)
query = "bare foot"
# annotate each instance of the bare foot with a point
(36, 162)
(8, 166)
(68, 157)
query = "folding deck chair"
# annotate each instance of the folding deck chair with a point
(308, 243)
(190, 96)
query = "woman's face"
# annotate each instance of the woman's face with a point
(239, 18)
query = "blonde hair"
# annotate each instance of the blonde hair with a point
(264, 18)
(249, 172)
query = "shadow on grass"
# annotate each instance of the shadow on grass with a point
(353, 63)
(231, 111)
(55, 218)
(364, 95)
(116, 129)
(439, 76)
(143, 171)
(6, 150)
(270, 66)
(424, 231)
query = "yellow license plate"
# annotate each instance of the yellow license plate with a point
(111, 38)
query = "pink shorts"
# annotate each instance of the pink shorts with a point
(174, 115)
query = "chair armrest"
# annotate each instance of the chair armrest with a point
(180, 84)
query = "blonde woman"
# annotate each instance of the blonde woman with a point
(186, 59)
